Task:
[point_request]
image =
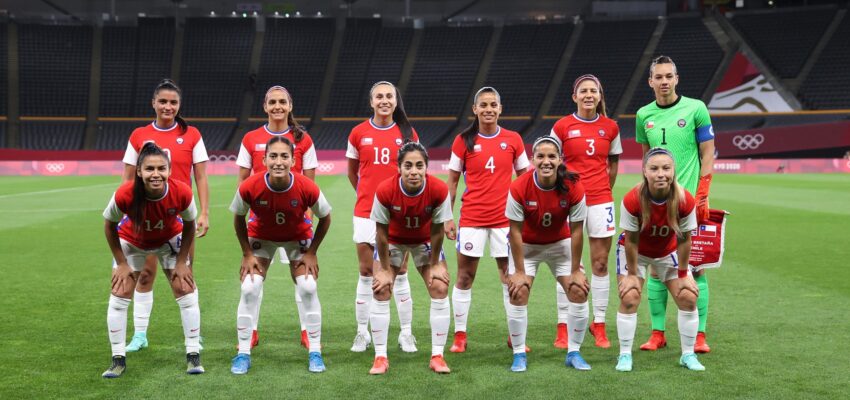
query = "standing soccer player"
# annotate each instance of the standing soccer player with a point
(683, 126)
(591, 143)
(143, 219)
(278, 200)
(547, 212)
(186, 151)
(278, 106)
(487, 155)
(372, 150)
(409, 211)
(658, 217)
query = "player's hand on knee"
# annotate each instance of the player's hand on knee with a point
(578, 281)
(382, 281)
(438, 272)
(123, 280)
(311, 264)
(182, 277)
(627, 284)
(516, 283)
(688, 283)
(250, 267)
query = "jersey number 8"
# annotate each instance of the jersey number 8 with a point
(547, 220)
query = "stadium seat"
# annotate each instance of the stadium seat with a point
(4, 69)
(44, 135)
(828, 84)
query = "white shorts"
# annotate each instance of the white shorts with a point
(364, 231)
(600, 221)
(294, 250)
(471, 241)
(167, 254)
(666, 268)
(419, 253)
(557, 255)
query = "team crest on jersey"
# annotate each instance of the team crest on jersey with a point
(180, 140)
(293, 203)
(563, 204)
(602, 132)
(398, 142)
(366, 140)
(682, 123)
(476, 148)
(503, 145)
(172, 211)
(650, 124)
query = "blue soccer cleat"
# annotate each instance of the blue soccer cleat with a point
(574, 360)
(691, 362)
(240, 364)
(139, 341)
(624, 363)
(520, 362)
(117, 368)
(317, 364)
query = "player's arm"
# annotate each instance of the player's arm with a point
(353, 171)
(683, 251)
(249, 265)
(123, 280)
(129, 173)
(321, 209)
(244, 173)
(613, 167)
(204, 196)
(644, 149)
(578, 213)
(632, 238)
(449, 227)
(382, 277)
(182, 273)
(436, 251)
(310, 174)
(518, 279)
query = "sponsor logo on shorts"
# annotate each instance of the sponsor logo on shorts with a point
(681, 123)
(467, 246)
(180, 140)
(194, 330)
(256, 245)
(361, 302)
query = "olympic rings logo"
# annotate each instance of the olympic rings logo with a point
(748, 142)
(54, 167)
(222, 158)
(325, 167)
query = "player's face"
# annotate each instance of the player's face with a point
(166, 103)
(659, 172)
(154, 173)
(278, 159)
(546, 160)
(487, 108)
(587, 95)
(663, 80)
(412, 170)
(383, 100)
(277, 105)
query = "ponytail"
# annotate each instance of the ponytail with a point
(399, 116)
(562, 173)
(296, 128)
(137, 207)
(472, 130)
(168, 84)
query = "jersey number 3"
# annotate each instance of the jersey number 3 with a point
(591, 150)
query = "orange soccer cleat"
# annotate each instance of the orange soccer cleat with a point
(511, 346)
(459, 344)
(305, 343)
(562, 340)
(380, 366)
(438, 365)
(701, 346)
(255, 340)
(597, 329)
(655, 342)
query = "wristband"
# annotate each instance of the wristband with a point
(682, 273)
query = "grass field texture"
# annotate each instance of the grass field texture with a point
(778, 322)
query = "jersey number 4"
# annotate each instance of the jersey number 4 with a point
(491, 165)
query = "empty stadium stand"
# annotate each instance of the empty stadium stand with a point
(52, 135)
(114, 135)
(215, 134)
(828, 84)
(4, 70)
(333, 134)
(359, 42)
(387, 61)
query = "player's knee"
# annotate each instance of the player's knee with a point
(630, 300)
(438, 289)
(306, 286)
(600, 265)
(383, 294)
(251, 288)
(146, 279)
(576, 294)
(465, 278)
(126, 293)
(686, 299)
(520, 296)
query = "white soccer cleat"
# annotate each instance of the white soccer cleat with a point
(361, 342)
(407, 343)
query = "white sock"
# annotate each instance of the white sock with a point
(248, 305)
(506, 302)
(563, 303)
(461, 300)
(363, 303)
(440, 320)
(599, 288)
(190, 316)
(577, 320)
(142, 306)
(688, 326)
(517, 326)
(380, 319)
(626, 324)
(116, 323)
(403, 303)
(306, 287)
(255, 318)
(300, 305)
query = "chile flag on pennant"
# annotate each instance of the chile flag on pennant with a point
(707, 241)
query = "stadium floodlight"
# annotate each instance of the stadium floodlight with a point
(233, 13)
(212, 13)
(298, 13)
(319, 14)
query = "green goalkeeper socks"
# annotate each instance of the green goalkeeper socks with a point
(657, 303)
(702, 301)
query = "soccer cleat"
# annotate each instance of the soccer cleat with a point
(511, 345)
(193, 364)
(407, 343)
(691, 362)
(117, 369)
(459, 344)
(438, 365)
(240, 364)
(139, 341)
(597, 330)
(562, 339)
(655, 342)
(624, 363)
(255, 338)
(305, 343)
(575, 360)
(361, 342)
(317, 364)
(701, 346)
(520, 363)
(380, 366)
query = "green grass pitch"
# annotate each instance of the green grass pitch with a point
(778, 326)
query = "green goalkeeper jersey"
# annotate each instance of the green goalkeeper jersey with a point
(679, 127)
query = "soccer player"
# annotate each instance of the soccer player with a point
(278, 106)
(409, 211)
(658, 216)
(487, 155)
(278, 200)
(143, 218)
(186, 151)
(683, 126)
(591, 143)
(372, 150)
(547, 212)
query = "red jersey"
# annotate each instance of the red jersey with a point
(253, 149)
(586, 146)
(487, 171)
(410, 215)
(377, 149)
(184, 150)
(545, 213)
(278, 216)
(657, 239)
(161, 221)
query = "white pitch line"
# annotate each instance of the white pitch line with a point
(6, 196)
